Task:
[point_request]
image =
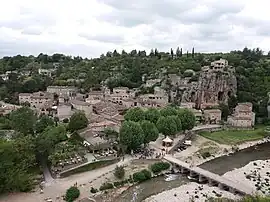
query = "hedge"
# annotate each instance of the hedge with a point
(89, 166)
(106, 186)
(159, 166)
(142, 175)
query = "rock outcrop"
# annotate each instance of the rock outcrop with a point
(215, 85)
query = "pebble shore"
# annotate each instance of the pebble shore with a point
(256, 174)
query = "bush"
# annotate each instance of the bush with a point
(206, 154)
(93, 190)
(66, 120)
(106, 186)
(159, 166)
(72, 193)
(119, 172)
(120, 183)
(142, 176)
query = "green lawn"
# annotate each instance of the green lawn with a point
(232, 137)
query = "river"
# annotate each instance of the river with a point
(219, 166)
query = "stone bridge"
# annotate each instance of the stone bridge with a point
(212, 179)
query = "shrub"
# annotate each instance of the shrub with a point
(142, 176)
(72, 193)
(159, 166)
(66, 120)
(93, 190)
(119, 172)
(206, 154)
(106, 186)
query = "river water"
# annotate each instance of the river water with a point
(219, 166)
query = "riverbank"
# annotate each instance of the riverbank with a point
(256, 174)
(195, 153)
(190, 191)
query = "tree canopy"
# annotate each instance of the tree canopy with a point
(17, 158)
(77, 121)
(168, 111)
(187, 118)
(134, 114)
(43, 122)
(23, 120)
(131, 135)
(150, 131)
(167, 125)
(152, 115)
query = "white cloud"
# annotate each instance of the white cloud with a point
(92, 27)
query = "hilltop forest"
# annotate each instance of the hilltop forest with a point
(127, 69)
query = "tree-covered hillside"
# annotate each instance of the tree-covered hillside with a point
(127, 69)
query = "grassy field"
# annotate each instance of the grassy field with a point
(233, 137)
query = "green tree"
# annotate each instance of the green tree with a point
(168, 111)
(177, 121)
(187, 118)
(166, 126)
(119, 172)
(193, 53)
(46, 141)
(23, 120)
(131, 135)
(111, 133)
(178, 52)
(77, 121)
(72, 194)
(134, 114)
(150, 131)
(152, 115)
(17, 158)
(43, 122)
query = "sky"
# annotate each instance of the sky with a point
(91, 27)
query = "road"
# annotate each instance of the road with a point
(58, 187)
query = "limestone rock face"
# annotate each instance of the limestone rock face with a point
(212, 88)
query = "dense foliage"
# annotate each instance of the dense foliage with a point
(159, 166)
(77, 121)
(119, 172)
(131, 135)
(72, 194)
(134, 114)
(150, 131)
(17, 159)
(142, 175)
(167, 125)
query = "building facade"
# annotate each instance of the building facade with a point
(242, 117)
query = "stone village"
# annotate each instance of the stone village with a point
(104, 108)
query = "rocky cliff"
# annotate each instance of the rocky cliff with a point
(212, 88)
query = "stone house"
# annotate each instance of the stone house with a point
(70, 91)
(221, 63)
(6, 108)
(242, 117)
(64, 111)
(95, 97)
(212, 116)
(37, 99)
(46, 72)
(119, 94)
(82, 106)
(159, 98)
(152, 82)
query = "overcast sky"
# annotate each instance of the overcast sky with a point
(92, 27)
